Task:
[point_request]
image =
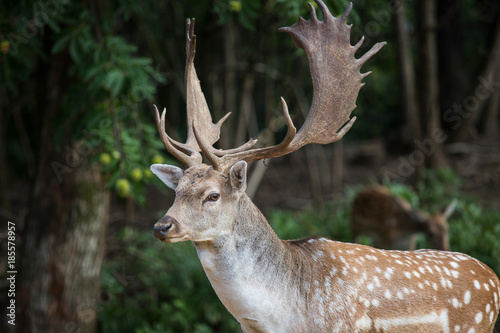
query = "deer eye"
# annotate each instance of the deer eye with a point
(213, 197)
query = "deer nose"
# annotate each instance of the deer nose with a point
(163, 226)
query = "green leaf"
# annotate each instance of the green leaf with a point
(61, 44)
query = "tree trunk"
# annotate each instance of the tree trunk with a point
(454, 71)
(63, 253)
(491, 122)
(434, 154)
(483, 91)
(4, 198)
(407, 75)
(337, 168)
(63, 237)
(230, 80)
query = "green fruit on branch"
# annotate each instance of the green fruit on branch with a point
(122, 187)
(136, 174)
(105, 159)
(157, 159)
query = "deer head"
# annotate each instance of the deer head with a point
(336, 80)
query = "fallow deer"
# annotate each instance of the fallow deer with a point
(313, 284)
(393, 224)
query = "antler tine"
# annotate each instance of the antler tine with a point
(198, 113)
(186, 160)
(206, 149)
(261, 153)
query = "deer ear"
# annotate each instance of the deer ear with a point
(238, 176)
(168, 174)
(448, 210)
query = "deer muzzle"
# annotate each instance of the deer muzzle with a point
(164, 227)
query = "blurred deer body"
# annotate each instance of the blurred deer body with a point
(393, 224)
(315, 284)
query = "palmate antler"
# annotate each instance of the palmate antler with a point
(336, 81)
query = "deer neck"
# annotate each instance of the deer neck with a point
(250, 270)
(241, 252)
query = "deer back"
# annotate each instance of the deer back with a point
(393, 224)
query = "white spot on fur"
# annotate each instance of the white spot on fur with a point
(455, 303)
(477, 285)
(387, 294)
(457, 328)
(467, 297)
(454, 264)
(478, 317)
(364, 323)
(382, 325)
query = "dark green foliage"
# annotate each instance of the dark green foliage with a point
(109, 88)
(155, 287)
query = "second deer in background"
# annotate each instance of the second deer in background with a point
(393, 224)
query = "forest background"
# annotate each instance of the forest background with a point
(77, 136)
